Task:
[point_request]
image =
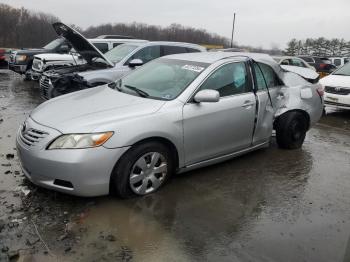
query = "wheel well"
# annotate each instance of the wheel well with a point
(161, 140)
(165, 142)
(304, 113)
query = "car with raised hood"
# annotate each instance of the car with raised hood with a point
(20, 61)
(174, 114)
(110, 66)
(44, 62)
(337, 88)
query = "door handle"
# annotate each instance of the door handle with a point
(248, 103)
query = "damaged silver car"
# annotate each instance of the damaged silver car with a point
(173, 114)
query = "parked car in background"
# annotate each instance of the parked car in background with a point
(102, 69)
(339, 61)
(20, 61)
(337, 88)
(174, 114)
(3, 62)
(323, 65)
(44, 62)
(292, 61)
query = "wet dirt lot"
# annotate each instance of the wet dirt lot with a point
(270, 205)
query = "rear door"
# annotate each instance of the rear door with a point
(215, 129)
(266, 81)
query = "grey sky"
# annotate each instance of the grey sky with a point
(259, 22)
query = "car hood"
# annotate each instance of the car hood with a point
(91, 109)
(55, 57)
(30, 51)
(87, 50)
(336, 80)
(305, 73)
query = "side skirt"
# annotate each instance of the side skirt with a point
(222, 158)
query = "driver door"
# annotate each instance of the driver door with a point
(216, 129)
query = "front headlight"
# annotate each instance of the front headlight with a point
(21, 58)
(79, 141)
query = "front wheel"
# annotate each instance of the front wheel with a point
(291, 130)
(142, 170)
(27, 76)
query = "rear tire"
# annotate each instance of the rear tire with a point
(130, 179)
(291, 130)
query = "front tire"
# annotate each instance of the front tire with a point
(142, 170)
(291, 130)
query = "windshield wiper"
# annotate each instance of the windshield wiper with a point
(138, 91)
(114, 85)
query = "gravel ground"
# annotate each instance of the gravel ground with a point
(270, 205)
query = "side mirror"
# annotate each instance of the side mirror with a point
(135, 62)
(207, 95)
(285, 62)
(64, 49)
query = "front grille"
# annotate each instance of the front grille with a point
(337, 90)
(336, 104)
(31, 136)
(45, 85)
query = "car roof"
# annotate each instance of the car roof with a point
(212, 57)
(103, 40)
(169, 43)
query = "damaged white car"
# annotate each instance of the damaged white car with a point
(174, 114)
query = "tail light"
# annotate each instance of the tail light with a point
(320, 90)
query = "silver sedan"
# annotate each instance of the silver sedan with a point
(174, 114)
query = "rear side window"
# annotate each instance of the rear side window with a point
(116, 44)
(147, 54)
(264, 74)
(170, 50)
(192, 50)
(230, 79)
(337, 62)
(103, 47)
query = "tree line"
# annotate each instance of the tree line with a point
(318, 47)
(20, 28)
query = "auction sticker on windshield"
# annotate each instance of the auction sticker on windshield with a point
(193, 68)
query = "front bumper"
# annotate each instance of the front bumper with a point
(20, 69)
(84, 172)
(35, 75)
(337, 101)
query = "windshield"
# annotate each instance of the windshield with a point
(54, 44)
(117, 54)
(344, 70)
(161, 79)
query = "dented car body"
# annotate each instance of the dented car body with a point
(173, 114)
